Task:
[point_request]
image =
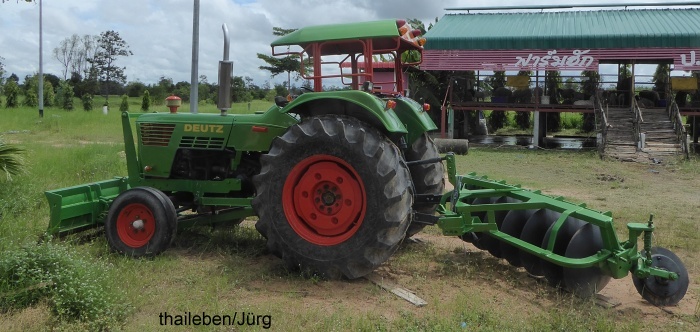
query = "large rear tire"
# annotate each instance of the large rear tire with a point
(333, 197)
(427, 178)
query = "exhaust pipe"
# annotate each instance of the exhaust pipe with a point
(225, 74)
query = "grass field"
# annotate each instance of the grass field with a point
(228, 271)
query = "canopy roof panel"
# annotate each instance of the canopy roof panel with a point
(329, 32)
(647, 28)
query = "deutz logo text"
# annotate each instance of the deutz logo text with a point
(204, 128)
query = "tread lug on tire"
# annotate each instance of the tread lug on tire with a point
(427, 178)
(333, 197)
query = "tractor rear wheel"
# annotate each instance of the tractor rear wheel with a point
(333, 197)
(427, 178)
(141, 222)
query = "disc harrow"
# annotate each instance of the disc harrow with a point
(574, 247)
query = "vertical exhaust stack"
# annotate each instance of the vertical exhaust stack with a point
(225, 74)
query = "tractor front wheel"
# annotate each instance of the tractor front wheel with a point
(333, 197)
(141, 222)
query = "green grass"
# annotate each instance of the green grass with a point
(226, 271)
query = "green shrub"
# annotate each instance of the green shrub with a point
(65, 96)
(87, 102)
(124, 106)
(572, 121)
(49, 94)
(496, 120)
(75, 289)
(146, 101)
(11, 92)
(522, 119)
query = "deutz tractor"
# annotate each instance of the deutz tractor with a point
(338, 179)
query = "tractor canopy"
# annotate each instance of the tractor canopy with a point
(387, 35)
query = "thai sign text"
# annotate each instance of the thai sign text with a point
(577, 59)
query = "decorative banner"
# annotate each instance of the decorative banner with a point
(568, 59)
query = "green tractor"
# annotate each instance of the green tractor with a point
(338, 179)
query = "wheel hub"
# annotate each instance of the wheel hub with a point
(324, 200)
(135, 225)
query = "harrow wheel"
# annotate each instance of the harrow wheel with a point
(663, 292)
(141, 222)
(427, 178)
(584, 282)
(333, 197)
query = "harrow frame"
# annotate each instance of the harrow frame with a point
(616, 259)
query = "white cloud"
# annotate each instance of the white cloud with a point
(159, 32)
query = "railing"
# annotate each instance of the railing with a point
(638, 120)
(674, 115)
(601, 123)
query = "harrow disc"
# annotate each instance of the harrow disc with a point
(477, 238)
(584, 282)
(552, 272)
(663, 292)
(513, 225)
(534, 231)
(490, 243)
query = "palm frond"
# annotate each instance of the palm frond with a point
(10, 159)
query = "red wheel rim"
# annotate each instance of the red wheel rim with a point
(135, 225)
(324, 200)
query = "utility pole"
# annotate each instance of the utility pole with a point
(41, 61)
(194, 84)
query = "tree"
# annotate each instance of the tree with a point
(11, 92)
(65, 96)
(66, 52)
(87, 102)
(522, 119)
(135, 89)
(49, 94)
(31, 91)
(87, 50)
(288, 64)
(553, 84)
(239, 93)
(660, 79)
(124, 106)
(589, 88)
(146, 101)
(110, 46)
(2, 72)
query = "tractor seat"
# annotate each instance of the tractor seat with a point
(281, 101)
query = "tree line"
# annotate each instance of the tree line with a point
(89, 68)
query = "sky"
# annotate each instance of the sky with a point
(159, 32)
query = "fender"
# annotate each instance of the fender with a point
(415, 119)
(358, 104)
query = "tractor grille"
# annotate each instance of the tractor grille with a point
(202, 142)
(156, 134)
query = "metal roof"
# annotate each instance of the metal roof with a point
(646, 28)
(329, 32)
